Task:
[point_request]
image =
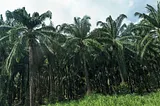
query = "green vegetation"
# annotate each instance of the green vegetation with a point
(115, 100)
(40, 62)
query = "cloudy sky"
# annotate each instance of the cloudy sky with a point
(65, 10)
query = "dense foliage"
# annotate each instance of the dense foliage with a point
(40, 62)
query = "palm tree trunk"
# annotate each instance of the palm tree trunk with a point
(27, 86)
(50, 83)
(121, 76)
(86, 77)
(31, 74)
(122, 67)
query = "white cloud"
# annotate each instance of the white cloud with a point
(118, 1)
(11, 5)
(65, 10)
(131, 3)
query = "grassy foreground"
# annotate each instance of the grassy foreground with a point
(152, 99)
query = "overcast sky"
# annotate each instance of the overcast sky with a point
(65, 10)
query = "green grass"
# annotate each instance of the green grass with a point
(152, 99)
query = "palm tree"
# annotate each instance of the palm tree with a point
(151, 23)
(149, 45)
(29, 30)
(78, 41)
(112, 33)
(3, 55)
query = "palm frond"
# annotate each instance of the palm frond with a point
(119, 20)
(92, 43)
(140, 15)
(144, 49)
(45, 15)
(152, 11)
(4, 37)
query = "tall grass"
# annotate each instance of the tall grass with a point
(152, 99)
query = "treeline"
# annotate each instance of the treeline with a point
(40, 63)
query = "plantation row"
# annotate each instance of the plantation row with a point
(41, 63)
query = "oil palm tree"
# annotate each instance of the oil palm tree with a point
(150, 22)
(148, 47)
(112, 33)
(29, 32)
(78, 41)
